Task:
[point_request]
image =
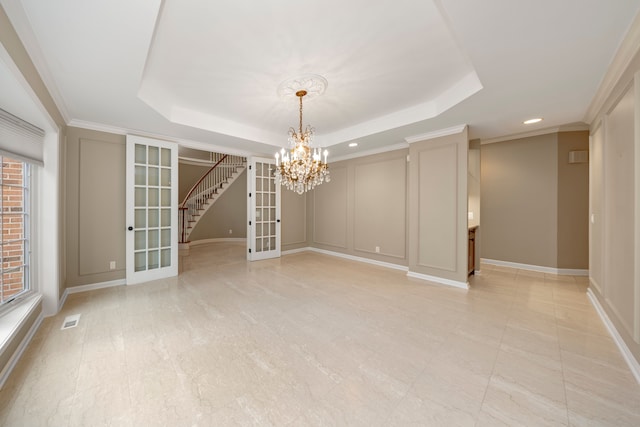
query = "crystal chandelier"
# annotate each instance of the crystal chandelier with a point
(302, 168)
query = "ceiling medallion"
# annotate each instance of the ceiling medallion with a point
(313, 84)
(301, 168)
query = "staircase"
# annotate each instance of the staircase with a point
(207, 190)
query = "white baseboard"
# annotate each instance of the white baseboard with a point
(295, 251)
(539, 268)
(622, 346)
(93, 287)
(356, 258)
(62, 300)
(217, 240)
(13, 360)
(440, 280)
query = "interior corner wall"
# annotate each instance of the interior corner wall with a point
(520, 201)
(573, 203)
(229, 212)
(362, 211)
(438, 224)
(95, 206)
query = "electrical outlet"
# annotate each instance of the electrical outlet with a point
(112, 265)
(377, 249)
(230, 231)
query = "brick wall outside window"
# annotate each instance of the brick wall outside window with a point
(13, 216)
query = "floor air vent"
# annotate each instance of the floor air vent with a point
(70, 321)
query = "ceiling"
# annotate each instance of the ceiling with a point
(206, 73)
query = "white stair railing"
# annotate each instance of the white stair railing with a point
(205, 190)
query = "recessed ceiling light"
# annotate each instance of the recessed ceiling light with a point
(353, 144)
(532, 121)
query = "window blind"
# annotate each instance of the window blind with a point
(20, 140)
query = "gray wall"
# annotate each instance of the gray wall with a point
(534, 203)
(363, 207)
(519, 201)
(573, 202)
(95, 206)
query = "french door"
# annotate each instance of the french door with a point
(263, 232)
(152, 209)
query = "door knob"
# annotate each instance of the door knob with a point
(130, 228)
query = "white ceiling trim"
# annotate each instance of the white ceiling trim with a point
(626, 52)
(386, 149)
(436, 134)
(568, 128)
(20, 22)
(37, 113)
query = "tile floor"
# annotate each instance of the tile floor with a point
(313, 340)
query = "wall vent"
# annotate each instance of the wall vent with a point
(581, 156)
(70, 321)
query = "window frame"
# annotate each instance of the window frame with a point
(27, 237)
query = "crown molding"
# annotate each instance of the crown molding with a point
(546, 131)
(21, 25)
(623, 57)
(436, 134)
(198, 145)
(394, 147)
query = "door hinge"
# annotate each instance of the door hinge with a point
(249, 194)
(249, 167)
(249, 250)
(249, 222)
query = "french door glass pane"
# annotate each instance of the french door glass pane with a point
(166, 258)
(140, 240)
(140, 263)
(141, 175)
(154, 155)
(140, 218)
(154, 177)
(141, 154)
(166, 157)
(153, 218)
(152, 191)
(166, 218)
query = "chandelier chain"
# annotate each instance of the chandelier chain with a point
(300, 96)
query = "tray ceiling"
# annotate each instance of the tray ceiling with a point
(206, 73)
